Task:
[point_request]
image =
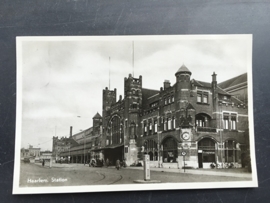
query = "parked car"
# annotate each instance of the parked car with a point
(26, 160)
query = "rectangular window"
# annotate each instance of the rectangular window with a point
(199, 97)
(150, 128)
(199, 123)
(233, 119)
(145, 129)
(165, 126)
(205, 98)
(226, 121)
(169, 124)
(155, 126)
(172, 98)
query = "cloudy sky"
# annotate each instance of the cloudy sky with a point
(63, 78)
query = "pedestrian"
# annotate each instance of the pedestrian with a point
(124, 163)
(107, 162)
(117, 164)
(43, 162)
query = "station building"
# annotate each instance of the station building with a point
(189, 123)
(83, 146)
(190, 119)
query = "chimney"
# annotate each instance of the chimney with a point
(70, 132)
(214, 80)
(120, 97)
(166, 84)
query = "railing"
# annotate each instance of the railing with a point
(206, 129)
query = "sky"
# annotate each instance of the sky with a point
(63, 78)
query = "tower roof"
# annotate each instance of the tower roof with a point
(97, 115)
(183, 69)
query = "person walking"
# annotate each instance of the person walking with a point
(107, 162)
(43, 162)
(117, 164)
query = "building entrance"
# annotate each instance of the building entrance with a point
(170, 151)
(113, 154)
(206, 152)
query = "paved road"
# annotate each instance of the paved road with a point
(78, 174)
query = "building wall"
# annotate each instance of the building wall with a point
(184, 94)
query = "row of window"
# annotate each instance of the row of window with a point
(168, 100)
(168, 124)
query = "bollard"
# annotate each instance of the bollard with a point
(146, 166)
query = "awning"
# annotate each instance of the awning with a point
(109, 147)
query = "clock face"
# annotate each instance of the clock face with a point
(185, 136)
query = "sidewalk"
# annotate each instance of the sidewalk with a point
(234, 172)
(213, 172)
(58, 165)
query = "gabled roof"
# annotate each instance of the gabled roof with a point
(149, 96)
(209, 85)
(233, 81)
(221, 91)
(183, 69)
(97, 115)
(202, 84)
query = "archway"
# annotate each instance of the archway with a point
(170, 151)
(206, 152)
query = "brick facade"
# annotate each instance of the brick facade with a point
(196, 117)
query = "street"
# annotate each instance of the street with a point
(34, 175)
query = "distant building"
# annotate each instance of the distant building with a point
(88, 144)
(62, 144)
(25, 153)
(32, 153)
(191, 118)
(237, 87)
(46, 155)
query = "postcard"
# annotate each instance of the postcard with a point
(123, 113)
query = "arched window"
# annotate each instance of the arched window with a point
(207, 147)
(133, 130)
(150, 147)
(116, 131)
(151, 156)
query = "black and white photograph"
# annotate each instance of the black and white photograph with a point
(124, 113)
